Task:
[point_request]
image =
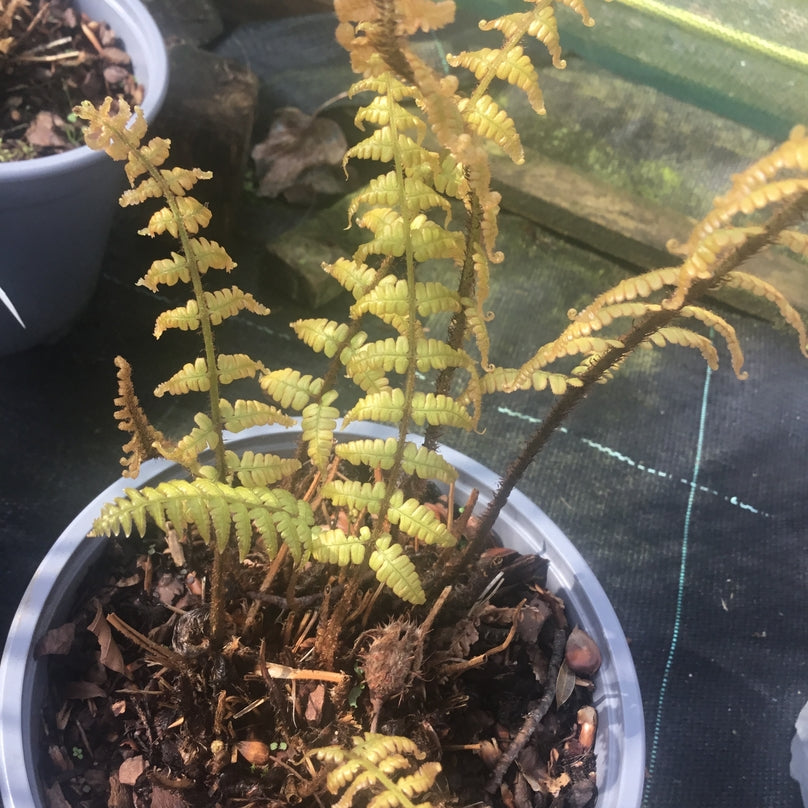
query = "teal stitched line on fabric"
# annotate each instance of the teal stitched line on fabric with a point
(680, 595)
(666, 475)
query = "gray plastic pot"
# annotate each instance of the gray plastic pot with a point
(620, 743)
(56, 211)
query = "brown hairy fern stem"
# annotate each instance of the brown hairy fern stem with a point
(788, 215)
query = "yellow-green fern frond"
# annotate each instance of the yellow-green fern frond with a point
(192, 213)
(378, 453)
(507, 380)
(255, 469)
(384, 191)
(221, 304)
(318, 422)
(427, 408)
(430, 240)
(290, 388)
(169, 271)
(493, 123)
(337, 547)
(195, 377)
(421, 523)
(322, 335)
(246, 413)
(353, 494)
(385, 108)
(763, 289)
(395, 570)
(213, 507)
(386, 85)
(382, 147)
(203, 436)
(354, 276)
(450, 178)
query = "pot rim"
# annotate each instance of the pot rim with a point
(617, 693)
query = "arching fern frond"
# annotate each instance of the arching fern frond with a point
(763, 289)
(353, 494)
(354, 276)
(221, 304)
(384, 191)
(246, 413)
(193, 216)
(420, 522)
(493, 123)
(427, 408)
(712, 320)
(689, 339)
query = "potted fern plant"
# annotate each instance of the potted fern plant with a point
(56, 210)
(341, 601)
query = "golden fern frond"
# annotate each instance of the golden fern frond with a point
(193, 214)
(372, 764)
(719, 324)
(380, 454)
(194, 377)
(179, 180)
(674, 335)
(169, 271)
(203, 436)
(221, 304)
(290, 388)
(255, 469)
(131, 418)
(476, 326)
(763, 289)
(385, 85)
(431, 241)
(318, 422)
(337, 547)
(513, 66)
(507, 380)
(155, 152)
(490, 121)
(450, 178)
(795, 241)
(388, 407)
(395, 570)
(236, 366)
(111, 132)
(247, 413)
(354, 276)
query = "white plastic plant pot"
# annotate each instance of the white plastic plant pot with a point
(56, 211)
(620, 744)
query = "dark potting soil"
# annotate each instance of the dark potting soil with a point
(51, 58)
(143, 710)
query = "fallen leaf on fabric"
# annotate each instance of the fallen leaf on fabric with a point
(296, 142)
(111, 656)
(565, 684)
(56, 641)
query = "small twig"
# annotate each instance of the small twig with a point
(274, 567)
(55, 57)
(534, 717)
(88, 32)
(277, 671)
(165, 656)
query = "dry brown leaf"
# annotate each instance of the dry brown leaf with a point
(255, 752)
(169, 589)
(296, 142)
(174, 545)
(314, 705)
(119, 796)
(44, 131)
(131, 769)
(83, 691)
(111, 656)
(56, 641)
(565, 684)
(164, 798)
(55, 798)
